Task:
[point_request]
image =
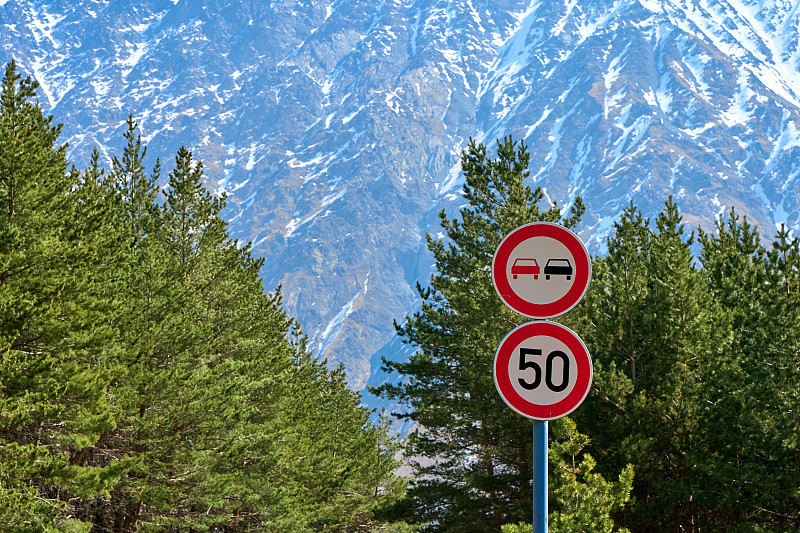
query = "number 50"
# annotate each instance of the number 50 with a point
(524, 364)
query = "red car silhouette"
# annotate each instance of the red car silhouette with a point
(525, 266)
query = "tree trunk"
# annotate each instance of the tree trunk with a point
(131, 517)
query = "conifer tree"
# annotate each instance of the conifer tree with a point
(753, 423)
(52, 403)
(471, 454)
(649, 326)
(583, 502)
(227, 420)
(147, 381)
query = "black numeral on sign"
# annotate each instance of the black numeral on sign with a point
(525, 364)
(548, 375)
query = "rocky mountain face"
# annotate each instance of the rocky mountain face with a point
(335, 126)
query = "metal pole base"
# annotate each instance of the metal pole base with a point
(539, 476)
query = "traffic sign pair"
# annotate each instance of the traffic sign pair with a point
(542, 369)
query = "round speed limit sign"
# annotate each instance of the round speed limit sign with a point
(542, 370)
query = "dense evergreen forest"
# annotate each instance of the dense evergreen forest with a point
(147, 381)
(693, 421)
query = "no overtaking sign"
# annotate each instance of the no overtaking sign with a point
(541, 270)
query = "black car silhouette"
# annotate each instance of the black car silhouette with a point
(558, 267)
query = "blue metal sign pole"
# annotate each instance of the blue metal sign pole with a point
(539, 476)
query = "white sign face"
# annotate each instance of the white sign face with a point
(541, 270)
(542, 370)
(555, 270)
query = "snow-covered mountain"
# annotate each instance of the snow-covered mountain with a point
(335, 126)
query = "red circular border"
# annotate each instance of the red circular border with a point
(583, 270)
(503, 381)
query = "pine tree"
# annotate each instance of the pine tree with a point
(753, 421)
(471, 454)
(147, 381)
(52, 403)
(227, 420)
(584, 502)
(658, 343)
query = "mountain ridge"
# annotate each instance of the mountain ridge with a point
(335, 128)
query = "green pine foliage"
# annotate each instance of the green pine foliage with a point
(53, 402)
(648, 319)
(696, 350)
(696, 371)
(471, 454)
(756, 398)
(583, 501)
(147, 381)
